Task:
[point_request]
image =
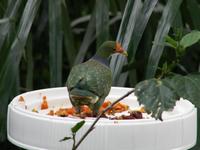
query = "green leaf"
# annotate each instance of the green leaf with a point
(77, 126)
(124, 36)
(68, 36)
(65, 139)
(9, 71)
(190, 39)
(55, 42)
(132, 36)
(4, 20)
(168, 16)
(194, 11)
(88, 38)
(30, 66)
(171, 42)
(102, 21)
(156, 95)
(186, 87)
(11, 13)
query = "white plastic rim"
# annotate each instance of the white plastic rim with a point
(36, 131)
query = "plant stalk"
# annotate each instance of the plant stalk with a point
(99, 116)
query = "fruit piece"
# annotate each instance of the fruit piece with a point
(44, 104)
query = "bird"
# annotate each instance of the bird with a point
(90, 82)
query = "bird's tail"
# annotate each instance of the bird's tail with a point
(83, 97)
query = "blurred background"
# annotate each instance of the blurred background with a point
(40, 40)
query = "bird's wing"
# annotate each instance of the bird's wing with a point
(91, 76)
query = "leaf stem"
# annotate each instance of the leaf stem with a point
(99, 116)
(74, 141)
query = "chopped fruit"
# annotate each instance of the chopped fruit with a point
(85, 109)
(64, 112)
(104, 105)
(70, 111)
(34, 110)
(51, 113)
(142, 110)
(44, 104)
(85, 112)
(61, 112)
(117, 108)
(126, 113)
(21, 99)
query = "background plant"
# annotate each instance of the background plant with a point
(41, 40)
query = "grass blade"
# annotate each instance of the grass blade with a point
(194, 10)
(140, 26)
(68, 36)
(124, 36)
(141, 23)
(88, 39)
(10, 69)
(102, 21)
(168, 15)
(136, 35)
(30, 65)
(55, 43)
(10, 14)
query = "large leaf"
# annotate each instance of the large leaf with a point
(55, 42)
(10, 68)
(190, 39)
(156, 95)
(168, 15)
(186, 87)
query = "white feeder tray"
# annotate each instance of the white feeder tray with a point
(34, 131)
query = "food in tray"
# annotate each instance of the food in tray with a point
(119, 111)
(44, 104)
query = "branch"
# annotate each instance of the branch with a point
(99, 116)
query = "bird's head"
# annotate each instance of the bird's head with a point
(110, 47)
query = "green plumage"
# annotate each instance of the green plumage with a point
(90, 82)
(93, 79)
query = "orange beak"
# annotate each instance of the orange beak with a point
(119, 49)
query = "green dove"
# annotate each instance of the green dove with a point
(90, 82)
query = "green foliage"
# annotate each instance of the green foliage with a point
(102, 21)
(184, 42)
(9, 71)
(186, 87)
(77, 127)
(158, 95)
(65, 139)
(41, 40)
(55, 42)
(130, 34)
(190, 39)
(167, 18)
